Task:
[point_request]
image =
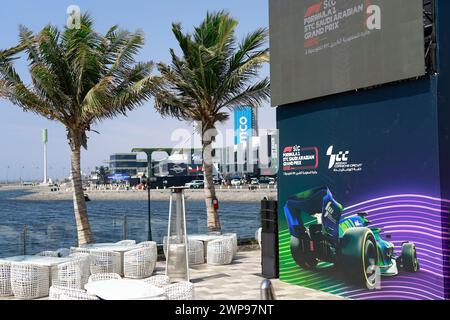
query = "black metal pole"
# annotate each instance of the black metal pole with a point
(149, 209)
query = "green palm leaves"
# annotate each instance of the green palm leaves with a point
(78, 76)
(214, 73)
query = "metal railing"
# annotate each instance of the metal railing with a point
(23, 239)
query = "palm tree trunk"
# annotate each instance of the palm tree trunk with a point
(79, 204)
(213, 220)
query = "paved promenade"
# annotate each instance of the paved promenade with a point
(239, 281)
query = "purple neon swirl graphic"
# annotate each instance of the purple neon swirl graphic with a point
(416, 218)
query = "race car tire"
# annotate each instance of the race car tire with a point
(358, 258)
(409, 257)
(300, 252)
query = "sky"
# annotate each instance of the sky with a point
(21, 150)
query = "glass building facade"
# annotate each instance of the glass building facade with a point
(126, 164)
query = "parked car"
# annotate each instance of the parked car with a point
(195, 184)
(263, 179)
(254, 181)
(272, 181)
(236, 182)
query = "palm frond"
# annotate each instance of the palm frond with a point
(214, 73)
(79, 76)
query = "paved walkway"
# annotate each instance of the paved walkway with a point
(241, 281)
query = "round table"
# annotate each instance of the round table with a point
(124, 289)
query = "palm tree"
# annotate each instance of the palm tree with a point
(78, 78)
(215, 74)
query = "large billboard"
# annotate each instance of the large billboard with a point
(243, 124)
(325, 47)
(362, 213)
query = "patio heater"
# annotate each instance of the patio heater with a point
(177, 268)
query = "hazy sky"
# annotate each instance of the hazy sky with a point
(20, 142)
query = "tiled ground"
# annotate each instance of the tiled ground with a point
(240, 281)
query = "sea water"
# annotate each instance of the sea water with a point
(51, 225)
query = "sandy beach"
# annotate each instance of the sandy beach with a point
(228, 195)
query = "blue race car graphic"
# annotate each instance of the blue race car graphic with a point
(320, 234)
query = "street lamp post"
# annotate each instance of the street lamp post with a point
(149, 152)
(149, 203)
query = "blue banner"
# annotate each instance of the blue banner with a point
(243, 124)
(119, 177)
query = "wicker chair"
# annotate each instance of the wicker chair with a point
(147, 244)
(235, 242)
(79, 250)
(258, 236)
(62, 293)
(220, 251)
(29, 281)
(63, 252)
(126, 242)
(139, 263)
(160, 281)
(183, 290)
(85, 262)
(69, 275)
(48, 254)
(104, 276)
(196, 253)
(5, 279)
(103, 261)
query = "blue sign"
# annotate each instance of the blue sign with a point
(243, 124)
(119, 177)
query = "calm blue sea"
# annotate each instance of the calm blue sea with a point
(51, 224)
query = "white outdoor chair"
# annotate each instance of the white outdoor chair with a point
(139, 263)
(29, 281)
(79, 250)
(160, 281)
(61, 293)
(147, 244)
(69, 275)
(5, 279)
(85, 262)
(183, 290)
(63, 252)
(258, 236)
(103, 261)
(220, 251)
(126, 242)
(104, 276)
(235, 242)
(196, 253)
(48, 254)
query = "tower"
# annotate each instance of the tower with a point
(45, 140)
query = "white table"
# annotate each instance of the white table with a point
(124, 289)
(205, 238)
(39, 260)
(50, 262)
(111, 247)
(121, 248)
